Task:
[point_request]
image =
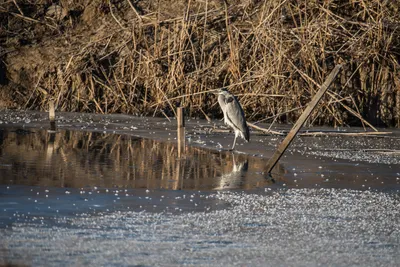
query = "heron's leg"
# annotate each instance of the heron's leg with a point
(234, 142)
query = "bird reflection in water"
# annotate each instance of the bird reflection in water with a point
(235, 178)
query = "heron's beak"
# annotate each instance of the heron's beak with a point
(215, 92)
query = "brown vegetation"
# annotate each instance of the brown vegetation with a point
(145, 57)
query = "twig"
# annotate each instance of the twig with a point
(353, 112)
(28, 19)
(165, 115)
(205, 115)
(135, 11)
(264, 130)
(19, 9)
(112, 14)
(341, 134)
(279, 114)
(197, 93)
(262, 95)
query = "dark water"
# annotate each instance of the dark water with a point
(78, 159)
(46, 174)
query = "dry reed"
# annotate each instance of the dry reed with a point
(146, 57)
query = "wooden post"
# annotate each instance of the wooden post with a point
(181, 130)
(179, 174)
(304, 116)
(52, 116)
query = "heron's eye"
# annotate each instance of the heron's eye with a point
(229, 99)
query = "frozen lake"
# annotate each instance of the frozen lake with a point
(112, 191)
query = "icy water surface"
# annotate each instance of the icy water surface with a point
(77, 159)
(112, 191)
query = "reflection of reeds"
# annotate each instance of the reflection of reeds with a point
(79, 159)
(146, 56)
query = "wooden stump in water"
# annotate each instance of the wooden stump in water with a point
(304, 116)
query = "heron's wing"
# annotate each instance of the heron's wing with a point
(221, 102)
(235, 115)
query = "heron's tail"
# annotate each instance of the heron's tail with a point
(247, 134)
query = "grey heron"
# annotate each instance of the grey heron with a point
(233, 115)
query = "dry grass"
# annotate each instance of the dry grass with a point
(146, 57)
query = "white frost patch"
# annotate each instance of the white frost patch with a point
(306, 227)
